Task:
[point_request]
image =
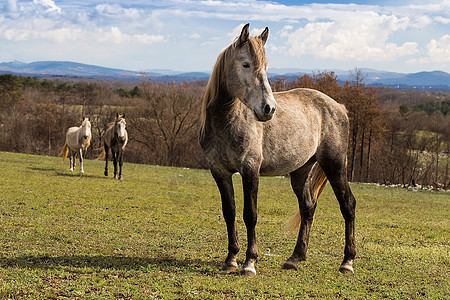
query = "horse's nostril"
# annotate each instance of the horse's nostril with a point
(273, 110)
(267, 109)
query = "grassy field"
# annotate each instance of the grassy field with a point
(159, 234)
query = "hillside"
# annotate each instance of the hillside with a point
(422, 80)
(160, 234)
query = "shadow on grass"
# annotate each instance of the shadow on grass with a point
(123, 263)
(77, 174)
(57, 172)
(43, 169)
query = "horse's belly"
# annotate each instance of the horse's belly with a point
(277, 166)
(283, 156)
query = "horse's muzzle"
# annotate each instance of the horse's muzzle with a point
(85, 137)
(267, 113)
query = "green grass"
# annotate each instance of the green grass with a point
(160, 234)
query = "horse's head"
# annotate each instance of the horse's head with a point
(246, 74)
(86, 128)
(120, 125)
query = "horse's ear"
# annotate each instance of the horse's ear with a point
(264, 35)
(243, 38)
(123, 116)
(117, 115)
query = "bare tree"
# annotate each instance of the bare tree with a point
(173, 116)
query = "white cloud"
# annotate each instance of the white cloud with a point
(323, 33)
(360, 37)
(49, 4)
(147, 38)
(44, 21)
(442, 20)
(11, 5)
(115, 10)
(439, 51)
(115, 35)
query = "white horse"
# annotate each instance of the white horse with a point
(78, 139)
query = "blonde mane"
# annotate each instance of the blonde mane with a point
(212, 89)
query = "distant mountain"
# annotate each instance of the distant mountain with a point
(65, 68)
(421, 80)
(417, 79)
(73, 69)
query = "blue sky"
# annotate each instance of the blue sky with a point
(187, 35)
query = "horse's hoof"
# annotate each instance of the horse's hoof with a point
(347, 267)
(71, 170)
(289, 265)
(81, 171)
(248, 271)
(230, 267)
(106, 173)
(120, 177)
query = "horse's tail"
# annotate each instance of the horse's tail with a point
(65, 152)
(102, 155)
(318, 182)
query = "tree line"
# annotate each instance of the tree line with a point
(396, 137)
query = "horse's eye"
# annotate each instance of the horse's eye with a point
(246, 65)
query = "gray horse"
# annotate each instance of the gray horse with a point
(248, 129)
(115, 138)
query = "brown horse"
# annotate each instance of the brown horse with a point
(78, 139)
(248, 129)
(115, 138)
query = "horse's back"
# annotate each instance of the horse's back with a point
(72, 137)
(309, 99)
(306, 121)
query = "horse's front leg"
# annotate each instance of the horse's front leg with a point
(81, 160)
(114, 156)
(250, 180)
(120, 154)
(225, 184)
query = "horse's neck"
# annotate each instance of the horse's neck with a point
(114, 130)
(226, 116)
(219, 109)
(109, 135)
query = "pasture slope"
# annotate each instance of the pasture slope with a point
(159, 234)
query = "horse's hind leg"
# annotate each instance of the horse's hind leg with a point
(225, 184)
(71, 160)
(307, 205)
(337, 176)
(106, 159)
